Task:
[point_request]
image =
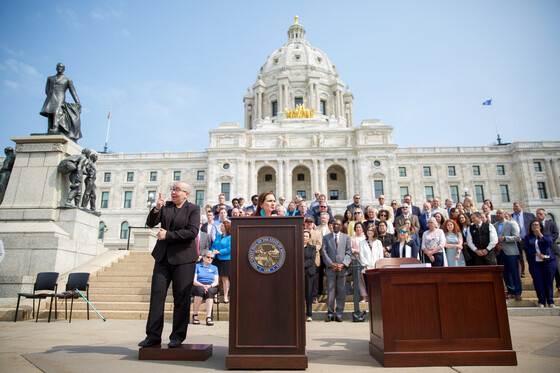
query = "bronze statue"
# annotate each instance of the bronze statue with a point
(89, 182)
(74, 166)
(64, 118)
(6, 171)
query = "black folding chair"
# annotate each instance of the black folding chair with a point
(78, 280)
(44, 281)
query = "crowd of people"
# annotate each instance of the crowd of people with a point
(453, 234)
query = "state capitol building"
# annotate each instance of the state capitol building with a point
(299, 137)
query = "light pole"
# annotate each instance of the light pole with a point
(466, 193)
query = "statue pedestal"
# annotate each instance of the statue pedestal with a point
(38, 234)
(144, 239)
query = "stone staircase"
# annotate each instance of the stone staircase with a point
(122, 291)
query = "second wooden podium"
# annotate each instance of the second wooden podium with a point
(267, 311)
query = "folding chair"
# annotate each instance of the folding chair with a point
(44, 281)
(78, 280)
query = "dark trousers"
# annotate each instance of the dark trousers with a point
(485, 260)
(438, 262)
(336, 292)
(318, 280)
(543, 278)
(182, 276)
(521, 248)
(511, 273)
(309, 288)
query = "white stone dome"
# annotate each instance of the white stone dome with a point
(297, 54)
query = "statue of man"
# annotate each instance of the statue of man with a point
(6, 171)
(89, 182)
(64, 118)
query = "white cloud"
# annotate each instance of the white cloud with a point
(124, 32)
(12, 52)
(11, 84)
(106, 13)
(20, 68)
(70, 17)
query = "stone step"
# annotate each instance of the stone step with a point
(123, 273)
(120, 280)
(121, 284)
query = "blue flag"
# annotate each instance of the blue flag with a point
(487, 102)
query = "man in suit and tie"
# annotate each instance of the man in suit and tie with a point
(175, 257)
(523, 220)
(399, 220)
(413, 209)
(337, 256)
(508, 236)
(551, 228)
(448, 206)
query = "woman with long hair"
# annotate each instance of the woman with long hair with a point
(222, 249)
(453, 244)
(266, 203)
(371, 250)
(385, 237)
(348, 217)
(404, 247)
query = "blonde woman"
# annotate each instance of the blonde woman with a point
(371, 250)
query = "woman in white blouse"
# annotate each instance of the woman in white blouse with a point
(355, 244)
(433, 243)
(371, 250)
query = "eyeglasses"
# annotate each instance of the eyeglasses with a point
(357, 213)
(535, 225)
(393, 203)
(209, 257)
(401, 231)
(382, 215)
(177, 190)
(323, 206)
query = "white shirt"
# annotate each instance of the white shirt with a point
(493, 238)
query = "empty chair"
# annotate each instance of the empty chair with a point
(79, 281)
(44, 281)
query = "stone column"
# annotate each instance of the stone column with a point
(555, 176)
(252, 178)
(350, 180)
(315, 177)
(322, 177)
(550, 176)
(280, 179)
(287, 180)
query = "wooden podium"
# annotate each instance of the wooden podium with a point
(267, 310)
(439, 316)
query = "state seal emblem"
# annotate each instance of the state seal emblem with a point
(267, 254)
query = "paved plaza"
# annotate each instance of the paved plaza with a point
(97, 346)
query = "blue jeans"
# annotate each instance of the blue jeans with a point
(511, 273)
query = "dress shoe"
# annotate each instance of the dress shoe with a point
(148, 342)
(510, 296)
(329, 318)
(518, 297)
(174, 343)
(338, 319)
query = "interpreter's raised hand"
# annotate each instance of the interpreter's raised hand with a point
(160, 202)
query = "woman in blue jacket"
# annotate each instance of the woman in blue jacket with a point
(222, 249)
(542, 262)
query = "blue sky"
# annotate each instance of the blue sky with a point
(172, 70)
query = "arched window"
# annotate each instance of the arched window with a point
(102, 229)
(124, 230)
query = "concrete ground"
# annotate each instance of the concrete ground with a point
(96, 346)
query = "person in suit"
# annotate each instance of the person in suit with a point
(508, 236)
(337, 255)
(523, 220)
(437, 208)
(415, 210)
(309, 256)
(423, 218)
(202, 242)
(406, 214)
(551, 228)
(481, 240)
(175, 257)
(542, 262)
(404, 247)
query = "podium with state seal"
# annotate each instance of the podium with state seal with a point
(267, 310)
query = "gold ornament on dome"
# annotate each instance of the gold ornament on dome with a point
(299, 112)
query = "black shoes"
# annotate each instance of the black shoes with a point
(174, 343)
(148, 342)
(329, 318)
(338, 319)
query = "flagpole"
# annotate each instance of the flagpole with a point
(108, 126)
(495, 122)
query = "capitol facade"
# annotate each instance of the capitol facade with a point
(299, 137)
